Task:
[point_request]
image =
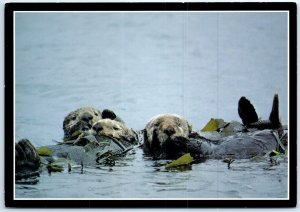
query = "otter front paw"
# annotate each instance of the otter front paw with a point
(27, 160)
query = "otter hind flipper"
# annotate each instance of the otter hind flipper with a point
(246, 111)
(274, 115)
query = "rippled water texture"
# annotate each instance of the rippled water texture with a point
(140, 65)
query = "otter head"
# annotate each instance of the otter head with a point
(79, 121)
(162, 134)
(114, 129)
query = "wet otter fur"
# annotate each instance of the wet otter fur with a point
(162, 132)
(27, 160)
(114, 129)
(82, 119)
(168, 136)
(81, 126)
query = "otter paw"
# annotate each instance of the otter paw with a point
(27, 160)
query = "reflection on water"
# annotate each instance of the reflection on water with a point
(140, 65)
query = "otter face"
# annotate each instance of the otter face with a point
(79, 121)
(114, 129)
(162, 132)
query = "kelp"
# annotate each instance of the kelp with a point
(53, 167)
(182, 163)
(44, 151)
(106, 159)
(76, 133)
(271, 156)
(258, 158)
(213, 125)
(281, 148)
(229, 161)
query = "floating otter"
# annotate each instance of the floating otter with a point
(87, 137)
(115, 129)
(161, 131)
(168, 136)
(90, 134)
(83, 119)
(80, 120)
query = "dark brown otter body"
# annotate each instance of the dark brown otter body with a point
(82, 119)
(162, 132)
(163, 144)
(87, 133)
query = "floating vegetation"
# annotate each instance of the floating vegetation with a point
(280, 141)
(258, 158)
(53, 167)
(72, 138)
(183, 163)
(75, 134)
(275, 153)
(44, 151)
(107, 158)
(213, 125)
(229, 161)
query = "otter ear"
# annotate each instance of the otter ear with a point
(108, 114)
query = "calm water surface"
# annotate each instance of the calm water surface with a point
(142, 64)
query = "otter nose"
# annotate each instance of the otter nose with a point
(97, 127)
(86, 117)
(169, 131)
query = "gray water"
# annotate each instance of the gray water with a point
(142, 64)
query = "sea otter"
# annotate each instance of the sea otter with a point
(82, 119)
(114, 129)
(162, 131)
(88, 135)
(169, 136)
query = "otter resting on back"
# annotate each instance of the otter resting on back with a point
(82, 119)
(161, 134)
(88, 135)
(168, 136)
(114, 129)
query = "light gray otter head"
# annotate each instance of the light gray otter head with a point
(114, 129)
(80, 120)
(162, 132)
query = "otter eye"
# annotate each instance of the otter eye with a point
(115, 128)
(96, 114)
(73, 118)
